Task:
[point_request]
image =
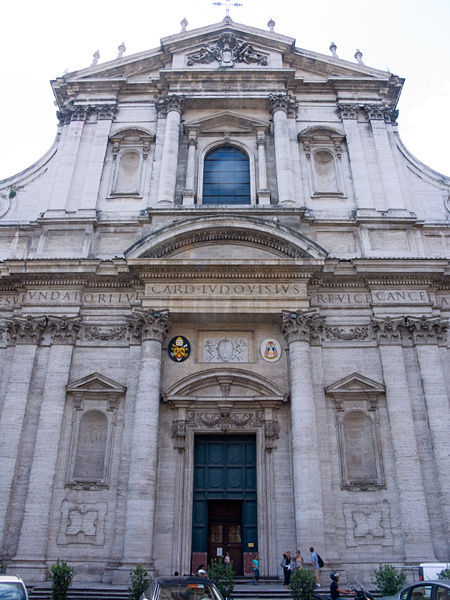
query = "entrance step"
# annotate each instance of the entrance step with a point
(94, 592)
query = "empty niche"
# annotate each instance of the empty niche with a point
(359, 448)
(326, 180)
(91, 447)
(127, 181)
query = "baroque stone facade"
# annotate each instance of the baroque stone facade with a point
(224, 291)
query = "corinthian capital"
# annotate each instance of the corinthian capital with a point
(348, 111)
(63, 330)
(283, 102)
(389, 329)
(304, 326)
(428, 330)
(25, 330)
(170, 102)
(148, 325)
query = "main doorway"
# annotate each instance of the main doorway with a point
(225, 501)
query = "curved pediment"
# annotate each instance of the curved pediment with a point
(225, 237)
(225, 383)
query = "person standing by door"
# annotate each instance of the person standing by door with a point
(255, 563)
(286, 566)
(315, 565)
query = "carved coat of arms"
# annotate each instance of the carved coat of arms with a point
(227, 51)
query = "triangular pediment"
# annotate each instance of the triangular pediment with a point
(226, 122)
(96, 383)
(355, 383)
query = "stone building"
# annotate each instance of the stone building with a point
(224, 311)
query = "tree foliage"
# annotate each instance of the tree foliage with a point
(302, 585)
(388, 579)
(61, 575)
(221, 574)
(444, 574)
(139, 580)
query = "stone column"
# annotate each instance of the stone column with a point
(172, 106)
(428, 332)
(263, 192)
(151, 327)
(74, 120)
(31, 551)
(393, 197)
(411, 494)
(283, 105)
(99, 144)
(188, 192)
(25, 333)
(358, 166)
(300, 329)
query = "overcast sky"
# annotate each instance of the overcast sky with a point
(41, 39)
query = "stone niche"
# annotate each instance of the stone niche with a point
(356, 400)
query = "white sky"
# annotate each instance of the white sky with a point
(40, 39)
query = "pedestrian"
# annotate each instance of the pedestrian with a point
(335, 590)
(286, 566)
(201, 572)
(255, 563)
(227, 558)
(315, 565)
(299, 561)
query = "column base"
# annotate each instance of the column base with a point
(121, 574)
(264, 198)
(188, 198)
(30, 570)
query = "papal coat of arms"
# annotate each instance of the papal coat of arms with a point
(179, 348)
(270, 350)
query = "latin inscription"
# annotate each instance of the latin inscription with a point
(374, 297)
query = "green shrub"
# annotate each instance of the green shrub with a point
(444, 574)
(388, 580)
(221, 574)
(139, 580)
(302, 585)
(61, 576)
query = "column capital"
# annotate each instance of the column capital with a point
(348, 111)
(388, 330)
(283, 102)
(301, 325)
(63, 330)
(170, 102)
(148, 325)
(428, 330)
(377, 112)
(25, 330)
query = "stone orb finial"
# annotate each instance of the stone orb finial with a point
(271, 25)
(96, 57)
(333, 49)
(121, 50)
(183, 24)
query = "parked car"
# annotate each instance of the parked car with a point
(437, 589)
(182, 588)
(12, 588)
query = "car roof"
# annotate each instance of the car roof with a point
(181, 580)
(10, 579)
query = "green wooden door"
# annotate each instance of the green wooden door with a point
(224, 469)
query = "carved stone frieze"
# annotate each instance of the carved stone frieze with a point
(228, 50)
(148, 325)
(25, 330)
(346, 333)
(305, 326)
(63, 330)
(283, 102)
(225, 350)
(170, 102)
(104, 333)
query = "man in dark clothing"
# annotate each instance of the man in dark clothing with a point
(335, 590)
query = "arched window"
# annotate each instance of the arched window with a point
(226, 177)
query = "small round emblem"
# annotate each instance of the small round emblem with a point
(179, 348)
(271, 350)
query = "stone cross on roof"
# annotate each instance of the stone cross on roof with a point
(227, 4)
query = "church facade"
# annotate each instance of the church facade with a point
(224, 317)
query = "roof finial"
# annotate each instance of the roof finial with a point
(183, 24)
(333, 49)
(95, 56)
(358, 56)
(271, 24)
(121, 50)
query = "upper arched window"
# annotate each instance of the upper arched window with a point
(226, 177)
